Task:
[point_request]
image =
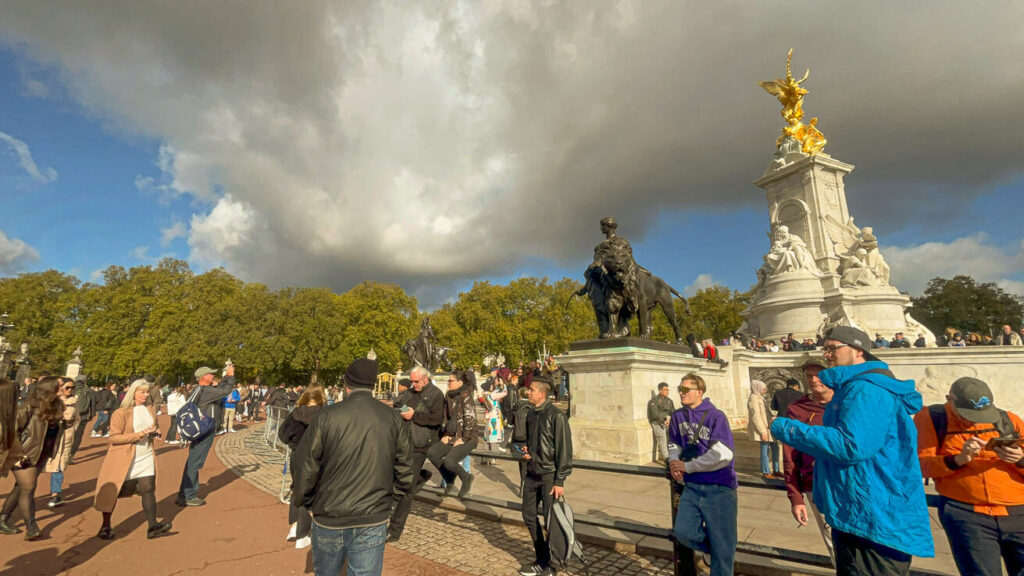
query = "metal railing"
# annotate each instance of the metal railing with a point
(275, 417)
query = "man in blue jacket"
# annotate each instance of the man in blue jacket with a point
(867, 479)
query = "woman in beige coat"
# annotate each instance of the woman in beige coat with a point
(130, 463)
(58, 463)
(758, 420)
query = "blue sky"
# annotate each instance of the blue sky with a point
(433, 167)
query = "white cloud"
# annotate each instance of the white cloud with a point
(331, 142)
(178, 229)
(140, 253)
(15, 254)
(975, 256)
(24, 155)
(701, 282)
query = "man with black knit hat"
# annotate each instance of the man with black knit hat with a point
(355, 458)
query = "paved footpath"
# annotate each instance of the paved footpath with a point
(462, 542)
(240, 531)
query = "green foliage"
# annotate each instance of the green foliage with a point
(167, 321)
(964, 304)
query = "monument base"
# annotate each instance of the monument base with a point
(612, 381)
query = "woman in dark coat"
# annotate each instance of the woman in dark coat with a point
(460, 434)
(292, 430)
(39, 423)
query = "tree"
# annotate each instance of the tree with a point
(38, 303)
(964, 304)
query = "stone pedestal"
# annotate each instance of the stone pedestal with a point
(611, 382)
(73, 370)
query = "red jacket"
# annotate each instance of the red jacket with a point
(799, 467)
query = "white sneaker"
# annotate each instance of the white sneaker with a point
(93, 435)
(303, 542)
(291, 533)
(107, 435)
(231, 431)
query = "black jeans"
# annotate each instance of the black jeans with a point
(979, 541)
(79, 432)
(856, 556)
(403, 503)
(448, 459)
(172, 430)
(537, 488)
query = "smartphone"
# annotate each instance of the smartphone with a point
(1007, 442)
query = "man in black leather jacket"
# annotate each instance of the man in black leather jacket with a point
(424, 416)
(548, 455)
(354, 458)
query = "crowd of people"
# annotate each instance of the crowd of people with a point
(855, 447)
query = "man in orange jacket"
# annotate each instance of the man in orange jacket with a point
(973, 451)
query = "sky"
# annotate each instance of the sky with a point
(437, 144)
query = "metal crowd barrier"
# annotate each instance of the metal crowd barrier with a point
(683, 557)
(275, 418)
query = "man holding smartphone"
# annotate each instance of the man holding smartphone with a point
(973, 451)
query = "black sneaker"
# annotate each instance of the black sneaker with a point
(535, 570)
(392, 537)
(158, 529)
(55, 501)
(449, 488)
(466, 485)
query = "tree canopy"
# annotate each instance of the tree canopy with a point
(964, 304)
(167, 320)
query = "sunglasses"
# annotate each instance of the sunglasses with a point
(687, 389)
(67, 387)
(831, 348)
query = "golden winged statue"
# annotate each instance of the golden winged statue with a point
(791, 96)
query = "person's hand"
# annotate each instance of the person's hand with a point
(1011, 454)
(557, 491)
(458, 442)
(800, 513)
(677, 468)
(446, 439)
(408, 414)
(526, 455)
(972, 447)
(764, 437)
(665, 424)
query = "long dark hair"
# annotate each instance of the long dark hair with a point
(8, 411)
(43, 400)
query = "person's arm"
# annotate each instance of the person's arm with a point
(309, 455)
(791, 466)
(118, 434)
(775, 402)
(403, 460)
(861, 426)
(563, 447)
(468, 420)
(718, 455)
(652, 411)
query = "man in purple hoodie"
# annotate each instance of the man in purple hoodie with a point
(701, 452)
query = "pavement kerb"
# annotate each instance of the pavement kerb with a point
(747, 564)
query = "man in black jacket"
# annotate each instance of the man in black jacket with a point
(206, 397)
(423, 409)
(105, 402)
(354, 459)
(548, 453)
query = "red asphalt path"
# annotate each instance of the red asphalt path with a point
(241, 530)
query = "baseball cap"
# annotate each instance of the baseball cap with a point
(853, 337)
(811, 360)
(200, 372)
(972, 399)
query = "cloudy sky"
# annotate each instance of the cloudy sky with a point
(436, 143)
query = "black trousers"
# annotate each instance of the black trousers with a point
(537, 489)
(404, 502)
(79, 432)
(979, 541)
(856, 556)
(448, 459)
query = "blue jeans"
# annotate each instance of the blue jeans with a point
(197, 452)
(769, 457)
(102, 418)
(465, 466)
(706, 522)
(361, 548)
(56, 480)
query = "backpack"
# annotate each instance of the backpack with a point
(192, 423)
(562, 542)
